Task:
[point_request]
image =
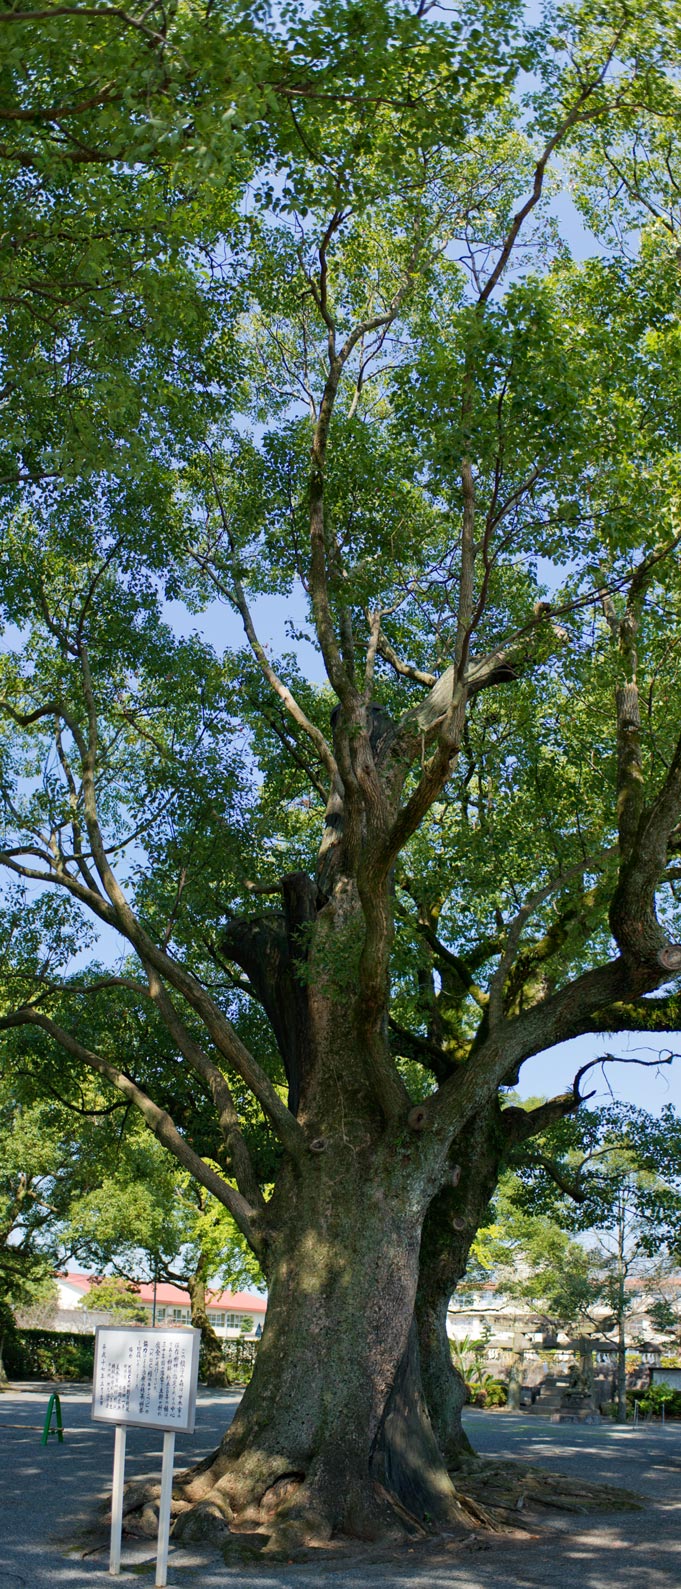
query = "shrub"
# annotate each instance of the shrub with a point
(486, 1392)
(239, 1356)
(53, 1354)
(657, 1397)
(49, 1354)
(496, 1394)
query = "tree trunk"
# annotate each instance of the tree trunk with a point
(443, 1386)
(212, 1359)
(514, 1383)
(586, 1360)
(7, 1330)
(329, 1425)
(333, 1433)
(454, 1217)
(621, 1373)
(621, 1314)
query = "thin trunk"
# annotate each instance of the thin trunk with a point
(7, 1329)
(212, 1360)
(586, 1358)
(621, 1373)
(621, 1315)
(514, 1382)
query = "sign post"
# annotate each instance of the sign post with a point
(164, 1510)
(146, 1378)
(117, 1500)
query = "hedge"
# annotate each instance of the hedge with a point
(57, 1354)
(49, 1354)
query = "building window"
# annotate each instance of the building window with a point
(215, 1318)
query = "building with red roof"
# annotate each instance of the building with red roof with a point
(231, 1313)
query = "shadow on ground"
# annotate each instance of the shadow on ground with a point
(50, 1497)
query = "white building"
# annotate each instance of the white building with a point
(231, 1313)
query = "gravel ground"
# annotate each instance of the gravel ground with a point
(49, 1496)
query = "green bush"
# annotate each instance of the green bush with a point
(496, 1394)
(53, 1354)
(239, 1358)
(486, 1392)
(657, 1397)
(49, 1354)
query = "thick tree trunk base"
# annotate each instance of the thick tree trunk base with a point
(250, 1511)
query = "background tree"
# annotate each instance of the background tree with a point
(473, 498)
(29, 1164)
(117, 1298)
(149, 1221)
(629, 1212)
(48, 1159)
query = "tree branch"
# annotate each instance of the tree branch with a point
(238, 595)
(158, 1120)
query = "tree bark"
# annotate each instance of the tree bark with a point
(324, 1430)
(353, 1415)
(453, 1218)
(621, 1372)
(212, 1360)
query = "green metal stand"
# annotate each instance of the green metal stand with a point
(53, 1406)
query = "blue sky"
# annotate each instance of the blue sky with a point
(649, 1087)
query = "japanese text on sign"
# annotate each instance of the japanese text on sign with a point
(146, 1377)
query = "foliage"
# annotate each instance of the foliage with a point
(600, 1176)
(328, 346)
(239, 1356)
(467, 1355)
(148, 1219)
(41, 1170)
(482, 1389)
(555, 1277)
(49, 1354)
(52, 1354)
(491, 1393)
(118, 1298)
(656, 1397)
(662, 1315)
(614, 1176)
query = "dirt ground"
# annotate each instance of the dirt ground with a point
(49, 1499)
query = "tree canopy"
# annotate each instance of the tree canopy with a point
(331, 346)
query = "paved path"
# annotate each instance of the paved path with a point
(47, 1496)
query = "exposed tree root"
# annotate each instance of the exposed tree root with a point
(499, 1494)
(274, 1512)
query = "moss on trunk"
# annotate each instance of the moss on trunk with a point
(326, 1435)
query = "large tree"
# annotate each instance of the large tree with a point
(456, 453)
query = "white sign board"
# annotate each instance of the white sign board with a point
(146, 1377)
